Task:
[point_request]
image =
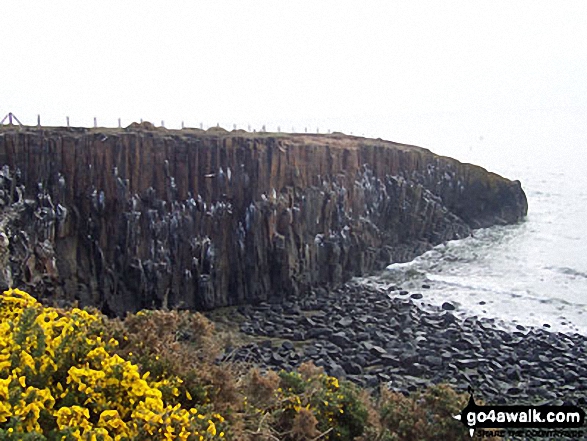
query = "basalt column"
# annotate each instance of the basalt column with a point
(135, 218)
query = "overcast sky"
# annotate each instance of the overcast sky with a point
(422, 72)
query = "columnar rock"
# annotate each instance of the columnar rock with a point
(127, 219)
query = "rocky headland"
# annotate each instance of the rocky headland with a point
(142, 217)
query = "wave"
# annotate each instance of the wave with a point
(568, 271)
(465, 285)
(455, 252)
(499, 272)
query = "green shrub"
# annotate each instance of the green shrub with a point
(424, 415)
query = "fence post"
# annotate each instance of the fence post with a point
(39, 121)
(18, 121)
(182, 125)
(95, 122)
(67, 120)
(10, 116)
(119, 124)
(162, 123)
(201, 126)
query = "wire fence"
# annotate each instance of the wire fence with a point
(11, 120)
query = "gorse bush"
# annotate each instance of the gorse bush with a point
(313, 396)
(180, 344)
(59, 380)
(424, 415)
(303, 405)
(77, 375)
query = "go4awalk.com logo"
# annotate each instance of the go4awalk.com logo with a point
(545, 420)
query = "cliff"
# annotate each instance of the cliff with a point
(139, 217)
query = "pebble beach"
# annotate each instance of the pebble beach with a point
(374, 336)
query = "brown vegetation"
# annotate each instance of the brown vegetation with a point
(290, 406)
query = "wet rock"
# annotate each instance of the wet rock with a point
(352, 368)
(318, 332)
(340, 339)
(345, 322)
(298, 335)
(362, 336)
(388, 359)
(432, 360)
(336, 370)
(439, 348)
(360, 360)
(287, 345)
(374, 349)
(415, 369)
(467, 363)
(447, 306)
(308, 322)
(266, 344)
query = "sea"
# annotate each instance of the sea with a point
(533, 273)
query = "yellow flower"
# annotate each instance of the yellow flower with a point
(110, 419)
(74, 416)
(211, 428)
(104, 387)
(5, 411)
(333, 381)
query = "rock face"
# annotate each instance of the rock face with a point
(142, 217)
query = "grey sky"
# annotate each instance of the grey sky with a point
(411, 71)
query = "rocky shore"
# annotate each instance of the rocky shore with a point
(371, 337)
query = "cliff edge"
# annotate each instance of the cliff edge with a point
(141, 217)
